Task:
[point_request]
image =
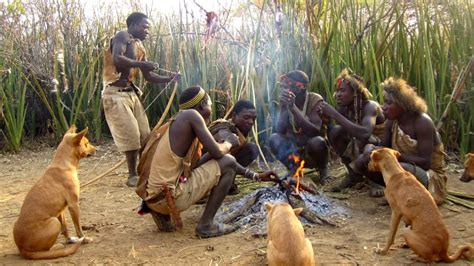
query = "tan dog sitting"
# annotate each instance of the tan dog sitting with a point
(468, 174)
(42, 215)
(409, 199)
(287, 244)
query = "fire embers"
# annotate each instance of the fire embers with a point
(249, 213)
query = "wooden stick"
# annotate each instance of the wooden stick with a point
(461, 194)
(168, 106)
(104, 174)
(458, 88)
(459, 201)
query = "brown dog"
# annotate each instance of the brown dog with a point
(42, 215)
(410, 200)
(468, 174)
(287, 244)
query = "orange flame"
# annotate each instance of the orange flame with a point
(299, 171)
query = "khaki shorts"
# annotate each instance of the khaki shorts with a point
(126, 118)
(202, 180)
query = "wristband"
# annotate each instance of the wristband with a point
(255, 177)
(251, 175)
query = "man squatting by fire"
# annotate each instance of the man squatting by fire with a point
(123, 110)
(243, 117)
(177, 176)
(359, 121)
(299, 127)
(410, 131)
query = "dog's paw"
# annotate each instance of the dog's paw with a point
(73, 239)
(87, 240)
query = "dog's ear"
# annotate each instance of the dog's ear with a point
(469, 157)
(78, 137)
(72, 129)
(396, 153)
(268, 206)
(375, 155)
(298, 211)
(469, 160)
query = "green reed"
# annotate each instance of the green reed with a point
(13, 94)
(425, 43)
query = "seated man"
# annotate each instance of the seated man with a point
(299, 127)
(241, 122)
(410, 131)
(178, 177)
(360, 121)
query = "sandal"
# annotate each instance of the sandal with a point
(163, 221)
(216, 230)
(143, 208)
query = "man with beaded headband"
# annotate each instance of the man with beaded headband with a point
(359, 121)
(299, 127)
(178, 168)
(410, 131)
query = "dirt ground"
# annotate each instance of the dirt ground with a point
(122, 236)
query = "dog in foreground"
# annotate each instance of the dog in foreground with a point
(468, 174)
(410, 200)
(287, 244)
(42, 215)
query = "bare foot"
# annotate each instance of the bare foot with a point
(132, 181)
(215, 230)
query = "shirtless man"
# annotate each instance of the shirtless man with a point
(174, 165)
(410, 131)
(299, 128)
(243, 117)
(124, 112)
(359, 121)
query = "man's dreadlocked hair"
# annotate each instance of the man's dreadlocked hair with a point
(357, 84)
(404, 95)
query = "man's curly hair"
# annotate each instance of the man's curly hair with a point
(404, 95)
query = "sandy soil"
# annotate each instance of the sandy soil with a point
(122, 236)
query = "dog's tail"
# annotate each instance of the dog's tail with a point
(50, 254)
(465, 251)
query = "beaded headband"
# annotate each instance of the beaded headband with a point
(284, 79)
(194, 101)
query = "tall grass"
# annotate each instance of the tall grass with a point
(425, 43)
(13, 94)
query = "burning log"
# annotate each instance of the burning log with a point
(249, 211)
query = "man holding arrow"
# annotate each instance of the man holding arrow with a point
(123, 110)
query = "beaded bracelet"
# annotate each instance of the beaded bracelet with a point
(251, 175)
(255, 177)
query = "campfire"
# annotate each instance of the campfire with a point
(249, 212)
